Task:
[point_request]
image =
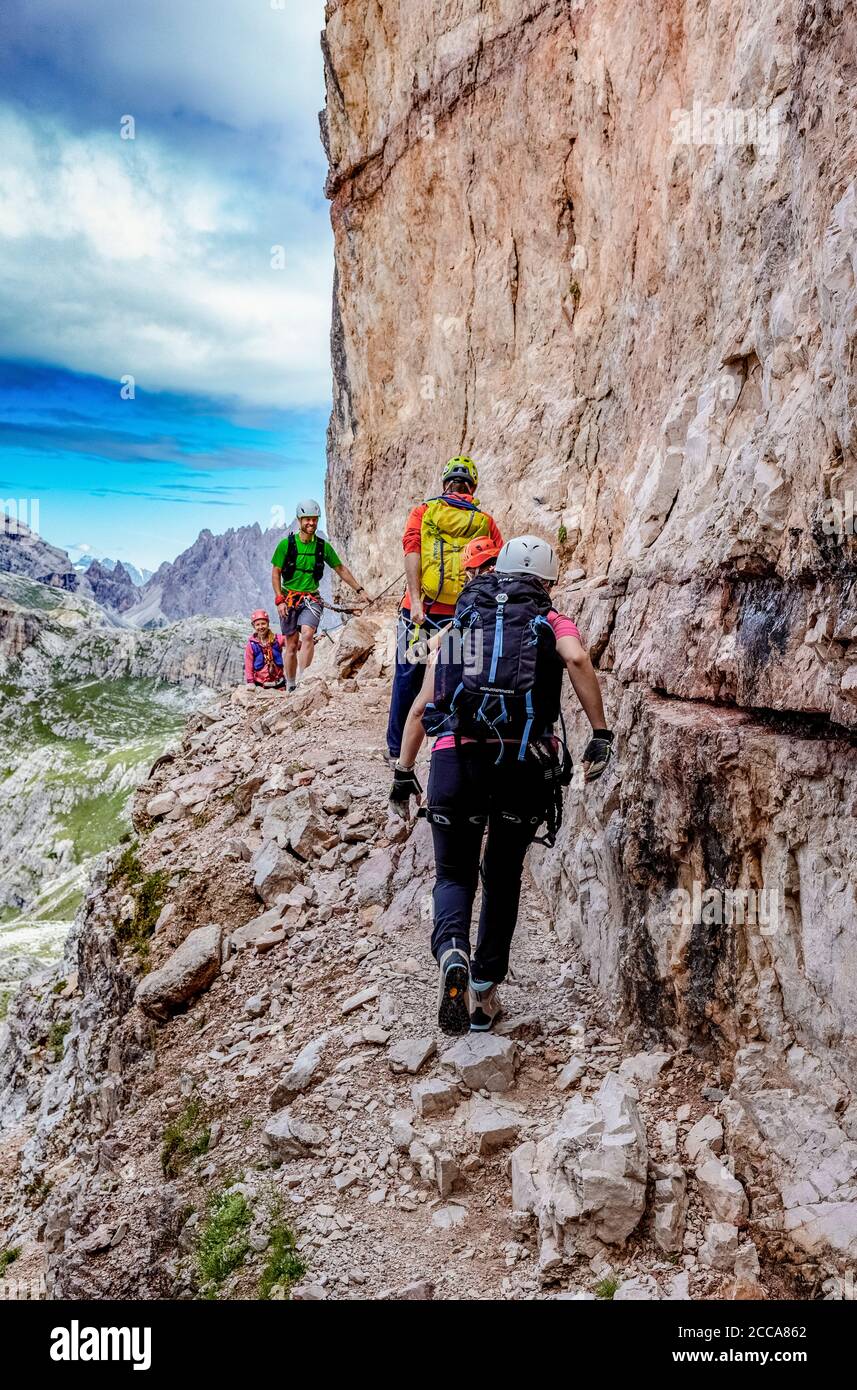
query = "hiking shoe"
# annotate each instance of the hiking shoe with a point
(291, 687)
(485, 1006)
(453, 1014)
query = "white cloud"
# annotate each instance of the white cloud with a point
(241, 62)
(121, 257)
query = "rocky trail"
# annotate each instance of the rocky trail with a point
(244, 1031)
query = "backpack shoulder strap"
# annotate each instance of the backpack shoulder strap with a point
(288, 570)
(318, 566)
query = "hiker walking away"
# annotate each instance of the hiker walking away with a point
(491, 705)
(298, 567)
(435, 536)
(263, 654)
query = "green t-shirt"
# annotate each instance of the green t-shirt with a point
(302, 581)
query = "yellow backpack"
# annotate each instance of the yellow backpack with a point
(446, 529)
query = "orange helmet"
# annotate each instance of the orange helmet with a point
(477, 553)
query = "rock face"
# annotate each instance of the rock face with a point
(611, 253)
(112, 587)
(24, 552)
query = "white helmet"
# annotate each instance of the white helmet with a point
(528, 555)
(307, 508)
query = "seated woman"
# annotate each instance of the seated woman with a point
(263, 655)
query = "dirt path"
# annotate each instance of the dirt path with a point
(385, 1199)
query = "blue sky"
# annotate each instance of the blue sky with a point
(193, 263)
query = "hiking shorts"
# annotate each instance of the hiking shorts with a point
(302, 610)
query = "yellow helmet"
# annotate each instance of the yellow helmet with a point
(461, 467)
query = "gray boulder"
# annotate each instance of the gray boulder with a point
(190, 969)
(288, 1138)
(275, 871)
(587, 1178)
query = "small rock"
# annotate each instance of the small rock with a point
(401, 1129)
(444, 1218)
(670, 1206)
(269, 939)
(433, 1097)
(357, 1001)
(722, 1192)
(445, 1173)
(483, 1061)
(525, 1026)
(252, 931)
(411, 1054)
(645, 1068)
(642, 1288)
(291, 1138)
(493, 1124)
(706, 1133)
(301, 1074)
(161, 804)
(308, 1293)
(747, 1262)
(720, 1246)
(166, 915)
(101, 1238)
(571, 1073)
(419, 1291)
(373, 1034)
(678, 1288)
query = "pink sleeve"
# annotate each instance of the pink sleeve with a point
(562, 627)
(249, 673)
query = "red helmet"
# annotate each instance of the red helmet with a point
(477, 553)
(260, 613)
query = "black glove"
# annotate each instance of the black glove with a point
(598, 752)
(405, 785)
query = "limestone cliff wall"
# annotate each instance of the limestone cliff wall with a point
(610, 250)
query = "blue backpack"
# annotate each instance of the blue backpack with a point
(498, 675)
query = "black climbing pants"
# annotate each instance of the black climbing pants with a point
(467, 793)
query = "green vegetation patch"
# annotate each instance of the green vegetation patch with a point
(606, 1288)
(284, 1266)
(127, 868)
(223, 1242)
(148, 892)
(59, 1031)
(8, 1257)
(185, 1138)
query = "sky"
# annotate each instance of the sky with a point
(166, 267)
